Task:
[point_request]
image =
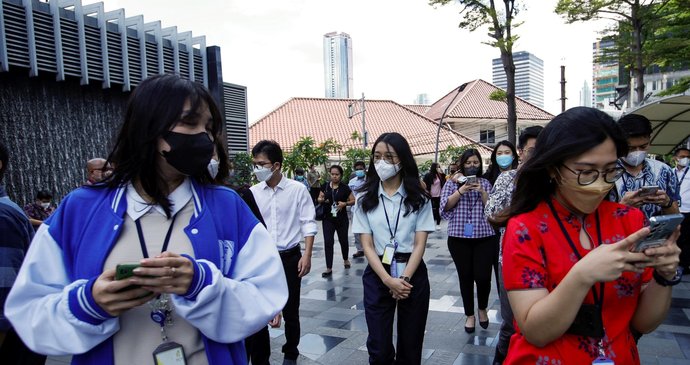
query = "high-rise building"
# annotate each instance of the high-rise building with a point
(605, 76)
(586, 95)
(529, 77)
(337, 63)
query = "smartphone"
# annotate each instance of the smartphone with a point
(660, 228)
(125, 270)
(472, 180)
(648, 190)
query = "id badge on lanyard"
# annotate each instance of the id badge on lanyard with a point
(169, 353)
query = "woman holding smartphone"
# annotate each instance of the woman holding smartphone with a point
(198, 250)
(574, 285)
(394, 217)
(471, 239)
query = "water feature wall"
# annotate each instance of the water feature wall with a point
(52, 128)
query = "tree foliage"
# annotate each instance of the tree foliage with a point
(476, 14)
(453, 153)
(241, 170)
(645, 33)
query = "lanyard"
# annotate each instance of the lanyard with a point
(625, 181)
(397, 220)
(142, 242)
(599, 301)
(680, 181)
(333, 193)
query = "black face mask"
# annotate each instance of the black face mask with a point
(471, 171)
(189, 153)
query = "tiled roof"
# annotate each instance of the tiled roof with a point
(322, 119)
(419, 108)
(473, 102)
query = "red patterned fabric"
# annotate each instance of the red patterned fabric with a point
(537, 255)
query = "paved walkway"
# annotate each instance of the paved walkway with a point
(334, 330)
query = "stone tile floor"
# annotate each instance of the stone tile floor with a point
(334, 330)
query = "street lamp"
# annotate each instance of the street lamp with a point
(351, 113)
(440, 122)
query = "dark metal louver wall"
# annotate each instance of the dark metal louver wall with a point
(70, 39)
(235, 100)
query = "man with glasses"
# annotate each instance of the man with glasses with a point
(499, 201)
(288, 211)
(660, 192)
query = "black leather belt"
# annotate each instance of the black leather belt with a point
(290, 251)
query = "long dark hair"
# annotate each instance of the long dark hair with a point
(153, 109)
(494, 170)
(466, 156)
(416, 196)
(568, 135)
(430, 176)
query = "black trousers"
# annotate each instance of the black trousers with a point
(684, 241)
(314, 192)
(507, 329)
(435, 205)
(379, 310)
(329, 228)
(473, 258)
(291, 310)
(258, 347)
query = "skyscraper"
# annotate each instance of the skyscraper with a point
(586, 95)
(337, 63)
(529, 77)
(605, 76)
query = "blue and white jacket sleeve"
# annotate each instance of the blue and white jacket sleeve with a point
(53, 315)
(230, 303)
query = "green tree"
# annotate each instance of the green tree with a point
(453, 153)
(479, 13)
(424, 167)
(241, 166)
(646, 32)
(353, 155)
(680, 87)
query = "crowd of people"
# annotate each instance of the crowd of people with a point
(155, 256)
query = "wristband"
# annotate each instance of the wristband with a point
(405, 278)
(670, 203)
(665, 282)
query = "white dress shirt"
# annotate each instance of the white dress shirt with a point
(287, 210)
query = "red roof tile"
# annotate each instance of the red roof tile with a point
(322, 118)
(419, 108)
(473, 102)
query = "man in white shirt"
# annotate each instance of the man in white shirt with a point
(354, 184)
(682, 158)
(288, 211)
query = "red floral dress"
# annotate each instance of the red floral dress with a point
(536, 255)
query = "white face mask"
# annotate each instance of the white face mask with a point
(386, 170)
(263, 173)
(45, 205)
(212, 167)
(684, 161)
(635, 158)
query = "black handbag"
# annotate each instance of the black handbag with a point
(320, 212)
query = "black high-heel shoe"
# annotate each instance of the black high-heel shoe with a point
(326, 274)
(484, 324)
(470, 329)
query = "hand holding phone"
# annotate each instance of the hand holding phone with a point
(660, 228)
(647, 190)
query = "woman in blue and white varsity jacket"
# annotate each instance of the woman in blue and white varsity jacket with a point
(207, 274)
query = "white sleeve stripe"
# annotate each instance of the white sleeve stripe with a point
(84, 303)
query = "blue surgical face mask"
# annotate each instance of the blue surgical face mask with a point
(359, 173)
(299, 177)
(504, 160)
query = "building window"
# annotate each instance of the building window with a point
(487, 135)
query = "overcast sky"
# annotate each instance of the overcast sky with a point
(401, 48)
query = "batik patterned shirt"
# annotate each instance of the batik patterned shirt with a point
(653, 173)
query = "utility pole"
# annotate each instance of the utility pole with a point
(563, 98)
(351, 113)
